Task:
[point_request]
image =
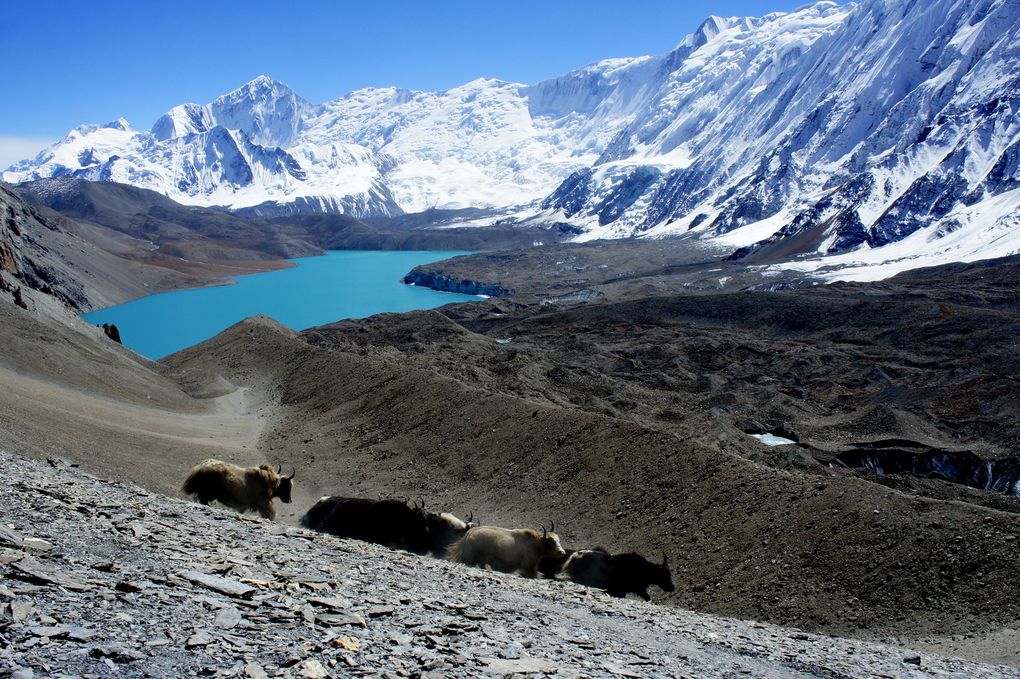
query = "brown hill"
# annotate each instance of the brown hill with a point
(625, 422)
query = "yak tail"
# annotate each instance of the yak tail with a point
(455, 552)
(193, 483)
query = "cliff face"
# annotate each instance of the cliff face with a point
(26, 261)
(447, 283)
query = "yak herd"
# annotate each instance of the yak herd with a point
(400, 524)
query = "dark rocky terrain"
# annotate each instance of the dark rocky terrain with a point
(96, 260)
(571, 273)
(623, 414)
(107, 579)
(627, 421)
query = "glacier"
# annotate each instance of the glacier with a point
(872, 136)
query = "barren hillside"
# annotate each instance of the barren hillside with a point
(107, 579)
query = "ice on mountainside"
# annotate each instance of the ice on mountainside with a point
(848, 127)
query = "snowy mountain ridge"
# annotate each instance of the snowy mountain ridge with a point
(833, 130)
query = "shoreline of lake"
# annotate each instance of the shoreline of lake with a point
(309, 291)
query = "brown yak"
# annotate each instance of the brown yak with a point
(506, 550)
(245, 489)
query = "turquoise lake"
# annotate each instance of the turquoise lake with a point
(319, 290)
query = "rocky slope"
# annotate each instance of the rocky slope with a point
(754, 132)
(108, 579)
(95, 261)
(519, 411)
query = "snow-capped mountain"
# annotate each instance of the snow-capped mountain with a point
(831, 129)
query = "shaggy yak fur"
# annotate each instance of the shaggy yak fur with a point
(551, 566)
(618, 574)
(245, 489)
(506, 550)
(393, 523)
(444, 530)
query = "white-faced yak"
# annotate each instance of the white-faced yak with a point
(506, 550)
(245, 489)
(446, 529)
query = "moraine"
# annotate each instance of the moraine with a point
(318, 290)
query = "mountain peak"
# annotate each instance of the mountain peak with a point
(259, 88)
(752, 128)
(119, 124)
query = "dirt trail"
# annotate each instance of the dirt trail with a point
(67, 390)
(149, 445)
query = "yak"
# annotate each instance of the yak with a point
(241, 488)
(618, 574)
(391, 523)
(551, 566)
(506, 550)
(446, 529)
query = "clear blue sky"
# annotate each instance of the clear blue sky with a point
(70, 62)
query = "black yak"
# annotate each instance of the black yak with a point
(506, 550)
(392, 523)
(241, 488)
(618, 574)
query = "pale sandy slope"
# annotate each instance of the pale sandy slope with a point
(66, 390)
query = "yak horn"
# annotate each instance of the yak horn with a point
(544, 531)
(552, 525)
(279, 469)
(471, 517)
(293, 472)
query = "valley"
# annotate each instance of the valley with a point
(748, 306)
(643, 394)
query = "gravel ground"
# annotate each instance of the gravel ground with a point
(106, 579)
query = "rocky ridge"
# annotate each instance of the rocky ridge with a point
(104, 579)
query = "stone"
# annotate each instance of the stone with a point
(337, 619)
(10, 537)
(218, 583)
(313, 669)
(255, 671)
(331, 602)
(197, 640)
(36, 545)
(512, 651)
(117, 653)
(70, 632)
(347, 643)
(227, 618)
(127, 587)
(520, 666)
(21, 609)
(82, 634)
(33, 571)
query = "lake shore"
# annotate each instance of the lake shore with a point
(306, 292)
